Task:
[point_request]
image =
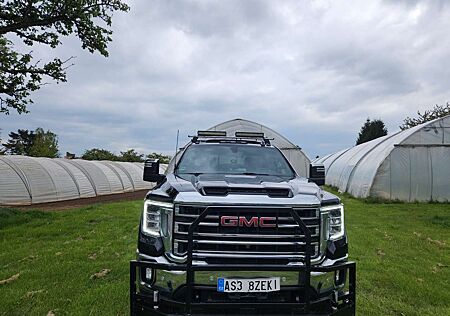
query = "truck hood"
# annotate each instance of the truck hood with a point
(221, 184)
(223, 188)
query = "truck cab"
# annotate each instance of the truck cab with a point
(231, 229)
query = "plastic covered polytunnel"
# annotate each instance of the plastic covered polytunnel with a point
(410, 165)
(293, 153)
(29, 180)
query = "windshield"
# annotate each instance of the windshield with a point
(234, 159)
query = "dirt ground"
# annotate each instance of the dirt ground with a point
(70, 204)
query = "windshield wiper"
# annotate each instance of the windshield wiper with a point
(255, 174)
(194, 173)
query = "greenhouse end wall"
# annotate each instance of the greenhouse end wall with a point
(411, 165)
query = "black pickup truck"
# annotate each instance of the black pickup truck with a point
(233, 230)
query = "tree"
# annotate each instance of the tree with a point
(98, 154)
(44, 22)
(371, 130)
(162, 158)
(436, 112)
(36, 143)
(131, 155)
(45, 144)
(19, 143)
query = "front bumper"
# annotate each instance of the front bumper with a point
(197, 297)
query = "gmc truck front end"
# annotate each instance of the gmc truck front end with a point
(227, 234)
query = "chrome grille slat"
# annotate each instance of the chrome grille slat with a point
(200, 224)
(205, 224)
(251, 255)
(246, 242)
(237, 242)
(242, 252)
(294, 225)
(246, 235)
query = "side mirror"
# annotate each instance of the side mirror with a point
(317, 174)
(151, 171)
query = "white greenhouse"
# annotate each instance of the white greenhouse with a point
(293, 153)
(410, 165)
(29, 180)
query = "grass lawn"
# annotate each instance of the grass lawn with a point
(402, 251)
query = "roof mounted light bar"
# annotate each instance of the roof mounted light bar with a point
(211, 136)
(211, 133)
(249, 135)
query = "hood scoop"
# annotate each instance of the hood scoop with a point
(224, 191)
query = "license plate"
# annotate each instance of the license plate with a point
(235, 285)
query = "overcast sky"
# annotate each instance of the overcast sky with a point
(312, 70)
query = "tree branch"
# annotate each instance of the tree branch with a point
(24, 71)
(32, 38)
(29, 23)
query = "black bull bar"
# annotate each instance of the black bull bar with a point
(345, 303)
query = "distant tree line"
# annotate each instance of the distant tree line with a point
(130, 155)
(373, 129)
(437, 111)
(40, 143)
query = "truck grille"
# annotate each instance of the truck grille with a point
(283, 240)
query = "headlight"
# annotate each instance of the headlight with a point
(155, 220)
(335, 221)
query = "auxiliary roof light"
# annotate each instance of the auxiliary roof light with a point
(249, 135)
(211, 134)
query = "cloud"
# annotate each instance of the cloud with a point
(313, 70)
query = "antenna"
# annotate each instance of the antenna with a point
(176, 150)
